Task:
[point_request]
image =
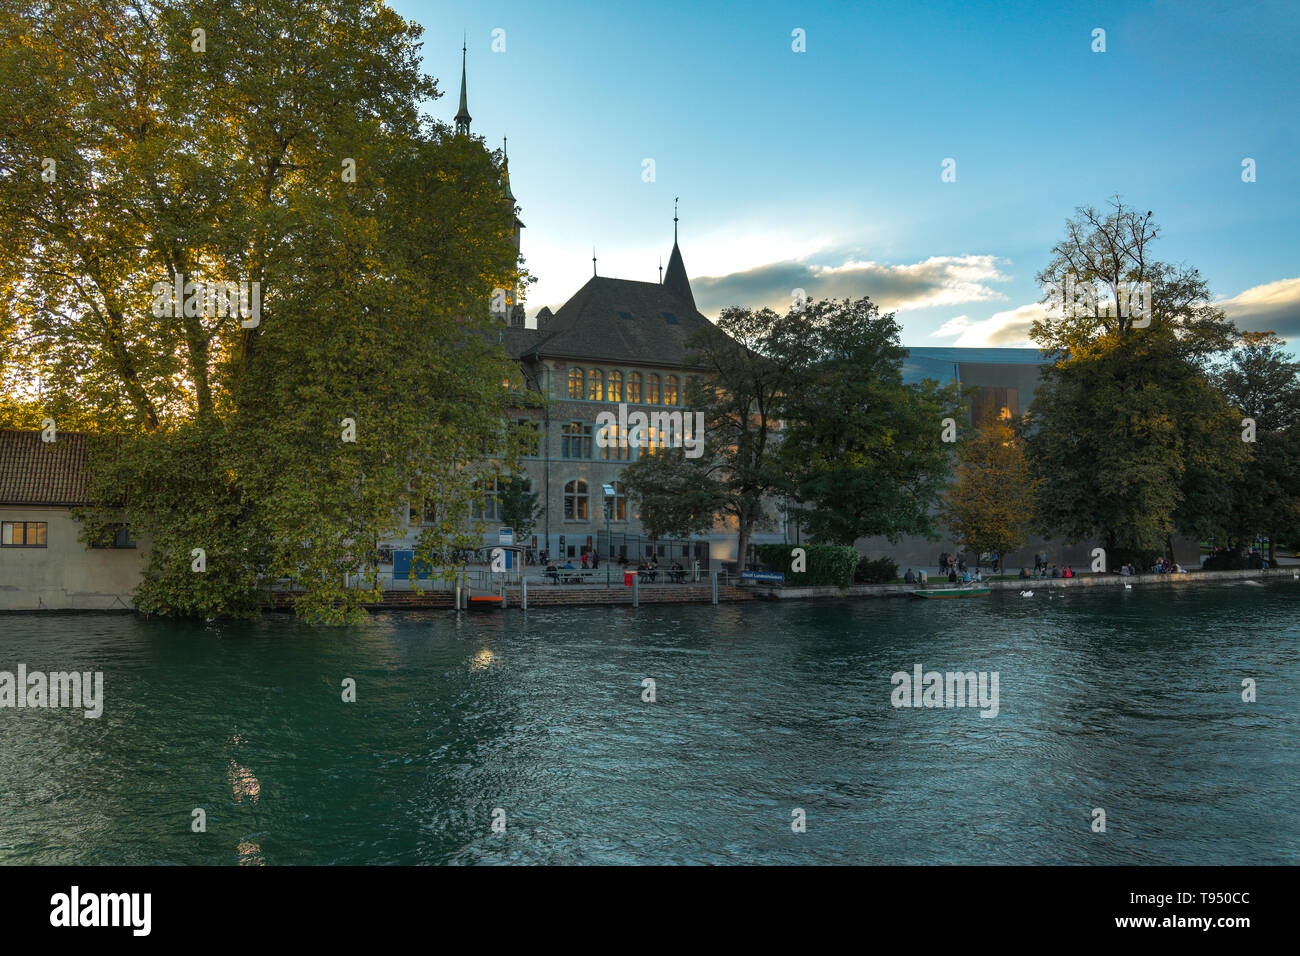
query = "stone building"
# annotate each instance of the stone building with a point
(43, 563)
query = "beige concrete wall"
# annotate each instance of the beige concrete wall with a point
(66, 574)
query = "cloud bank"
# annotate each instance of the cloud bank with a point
(937, 281)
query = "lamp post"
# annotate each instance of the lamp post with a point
(609, 540)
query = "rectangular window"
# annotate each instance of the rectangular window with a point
(118, 536)
(23, 534)
(616, 446)
(575, 440)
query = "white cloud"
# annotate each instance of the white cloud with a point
(1003, 329)
(1271, 307)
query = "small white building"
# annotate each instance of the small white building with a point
(43, 563)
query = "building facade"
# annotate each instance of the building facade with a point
(43, 563)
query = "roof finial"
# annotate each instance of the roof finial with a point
(661, 270)
(675, 220)
(593, 262)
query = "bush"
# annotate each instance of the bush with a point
(1233, 561)
(827, 564)
(879, 571)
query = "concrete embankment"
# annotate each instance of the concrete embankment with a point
(1041, 584)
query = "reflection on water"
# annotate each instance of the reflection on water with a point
(243, 783)
(1128, 701)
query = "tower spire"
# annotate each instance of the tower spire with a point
(462, 115)
(505, 173)
(593, 262)
(675, 278)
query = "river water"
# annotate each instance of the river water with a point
(1124, 701)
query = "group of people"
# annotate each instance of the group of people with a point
(647, 570)
(1045, 570)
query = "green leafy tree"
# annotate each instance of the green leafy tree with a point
(673, 496)
(519, 506)
(1263, 382)
(737, 391)
(860, 448)
(283, 448)
(1128, 433)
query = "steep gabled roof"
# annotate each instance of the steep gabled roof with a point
(33, 472)
(620, 320)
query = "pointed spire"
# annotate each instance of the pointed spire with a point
(462, 115)
(505, 172)
(675, 278)
(593, 262)
(661, 270)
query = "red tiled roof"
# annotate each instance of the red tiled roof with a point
(33, 472)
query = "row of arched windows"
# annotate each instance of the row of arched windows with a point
(576, 497)
(600, 386)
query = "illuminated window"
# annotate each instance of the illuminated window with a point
(670, 390)
(652, 389)
(23, 534)
(614, 389)
(616, 505)
(596, 386)
(575, 500)
(634, 387)
(575, 383)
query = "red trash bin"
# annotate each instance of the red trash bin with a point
(627, 578)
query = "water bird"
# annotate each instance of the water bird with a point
(1026, 593)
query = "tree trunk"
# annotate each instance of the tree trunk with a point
(1272, 550)
(1169, 547)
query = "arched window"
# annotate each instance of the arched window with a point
(617, 504)
(670, 390)
(575, 383)
(596, 386)
(614, 392)
(634, 386)
(652, 389)
(575, 500)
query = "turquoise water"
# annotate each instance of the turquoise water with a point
(1129, 701)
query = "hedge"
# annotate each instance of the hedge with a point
(1233, 561)
(826, 565)
(879, 571)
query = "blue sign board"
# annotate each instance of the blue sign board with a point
(774, 576)
(402, 566)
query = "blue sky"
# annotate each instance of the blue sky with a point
(822, 169)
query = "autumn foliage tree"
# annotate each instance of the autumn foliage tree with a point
(277, 142)
(991, 506)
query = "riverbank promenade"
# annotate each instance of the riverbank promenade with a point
(543, 593)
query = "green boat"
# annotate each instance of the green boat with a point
(953, 593)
